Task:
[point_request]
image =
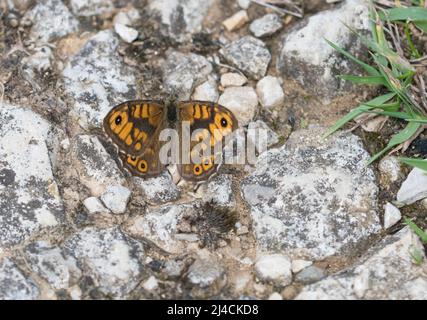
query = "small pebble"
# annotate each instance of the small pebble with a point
(116, 198)
(93, 205)
(150, 284)
(128, 34)
(266, 25)
(275, 296)
(310, 274)
(275, 268)
(236, 21)
(392, 215)
(298, 265)
(270, 92)
(232, 79)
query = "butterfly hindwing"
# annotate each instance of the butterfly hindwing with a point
(209, 123)
(132, 125)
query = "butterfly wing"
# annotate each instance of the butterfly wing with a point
(209, 123)
(133, 125)
(145, 166)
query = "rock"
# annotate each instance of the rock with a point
(182, 72)
(182, 17)
(160, 189)
(289, 292)
(232, 79)
(236, 21)
(244, 4)
(95, 167)
(249, 55)
(40, 61)
(14, 285)
(173, 268)
(207, 91)
(150, 284)
(275, 268)
(51, 20)
(109, 257)
(298, 265)
(386, 271)
(392, 215)
(313, 198)
(85, 8)
(270, 92)
(29, 197)
(275, 296)
(128, 18)
(310, 274)
(50, 263)
(266, 25)
(390, 170)
(424, 203)
(94, 205)
(219, 191)
(116, 198)
(242, 101)
(205, 270)
(128, 34)
(97, 79)
(308, 58)
(160, 226)
(414, 188)
(261, 136)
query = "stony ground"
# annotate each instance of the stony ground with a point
(308, 220)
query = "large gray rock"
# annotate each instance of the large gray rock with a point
(159, 189)
(386, 272)
(109, 257)
(308, 58)
(95, 167)
(181, 17)
(97, 79)
(49, 262)
(313, 198)
(248, 54)
(51, 20)
(29, 196)
(14, 285)
(183, 72)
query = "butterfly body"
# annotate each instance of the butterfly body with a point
(135, 127)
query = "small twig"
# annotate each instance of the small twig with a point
(277, 9)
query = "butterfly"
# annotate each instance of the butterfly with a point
(135, 127)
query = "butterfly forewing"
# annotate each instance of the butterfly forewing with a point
(133, 124)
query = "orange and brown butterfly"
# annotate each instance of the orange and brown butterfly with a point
(135, 127)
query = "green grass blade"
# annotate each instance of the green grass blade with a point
(417, 230)
(417, 163)
(410, 129)
(411, 14)
(367, 80)
(422, 25)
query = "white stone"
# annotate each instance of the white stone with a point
(232, 79)
(207, 91)
(128, 34)
(51, 20)
(275, 268)
(236, 21)
(248, 54)
(266, 25)
(298, 265)
(312, 197)
(159, 189)
(94, 165)
(386, 271)
(29, 197)
(306, 57)
(96, 78)
(150, 284)
(112, 259)
(128, 17)
(392, 215)
(183, 72)
(244, 4)
(414, 188)
(242, 101)
(14, 285)
(270, 92)
(275, 296)
(94, 205)
(116, 198)
(206, 270)
(85, 8)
